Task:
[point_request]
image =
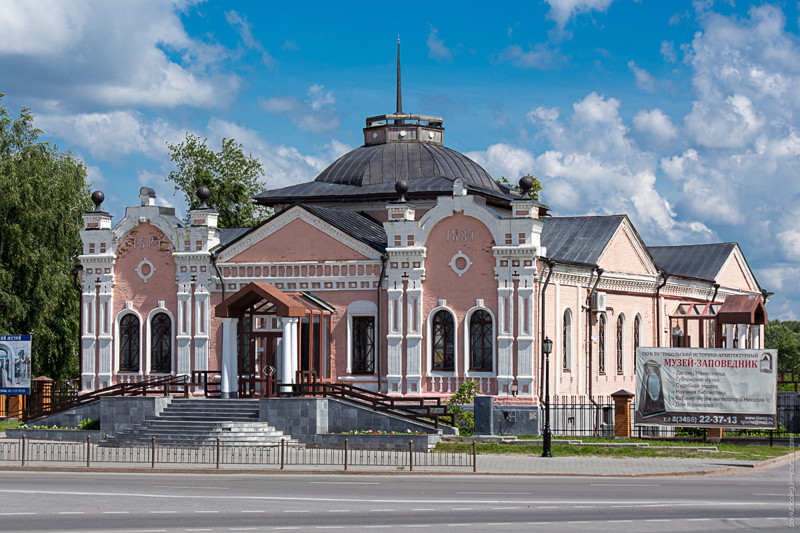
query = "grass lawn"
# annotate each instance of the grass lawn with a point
(746, 452)
(9, 424)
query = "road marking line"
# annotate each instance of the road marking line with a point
(163, 512)
(71, 512)
(207, 512)
(381, 510)
(423, 509)
(338, 510)
(499, 493)
(698, 519)
(189, 487)
(16, 514)
(658, 520)
(343, 483)
(116, 512)
(254, 511)
(505, 508)
(624, 485)
(296, 511)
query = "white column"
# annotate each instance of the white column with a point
(414, 337)
(394, 337)
(289, 355)
(505, 334)
(88, 337)
(525, 336)
(105, 340)
(184, 337)
(230, 353)
(201, 313)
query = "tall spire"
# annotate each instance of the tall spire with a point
(399, 95)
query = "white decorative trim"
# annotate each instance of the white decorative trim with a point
(142, 263)
(454, 261)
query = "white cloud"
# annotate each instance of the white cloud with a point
(655, 125)
(316, 113)
(644, 80)
(539, 57)
(668, 51)
(245, 30)
(562, 11)
(109, 136)
(505, 160)
(105, 54)
(436, 47)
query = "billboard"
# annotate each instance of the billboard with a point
(706, 387)
(15, 364)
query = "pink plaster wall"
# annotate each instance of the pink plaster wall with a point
(297, 241)
(621, 256)
(441, 282)
(145, 241)
(733, 275)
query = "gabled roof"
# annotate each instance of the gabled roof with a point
(578, 239)
(702, 261)
(360, 226)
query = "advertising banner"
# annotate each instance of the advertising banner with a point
(706, 387)
(15, 364)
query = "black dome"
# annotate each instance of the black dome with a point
(395, 161)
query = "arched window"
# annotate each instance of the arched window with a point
(363, 344)
(443, 347)
(620, 325)
(736, 336)
(481, 333)
(161, 343)
(129, 343)
(601, 344)
(566, 341)
(637, 325)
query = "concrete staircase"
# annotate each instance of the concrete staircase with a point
(203, 421)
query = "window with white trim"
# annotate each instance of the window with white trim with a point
(443, 341)
(363, 343)
(481, 345)
(161, 343)
(566, 341)
(601, 344)
(129, 353)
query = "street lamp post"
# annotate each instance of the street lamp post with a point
(547, 348)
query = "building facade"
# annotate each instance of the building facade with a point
(405, 268)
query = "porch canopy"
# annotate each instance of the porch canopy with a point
(234, 306)
(742, 309)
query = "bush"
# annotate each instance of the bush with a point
(89, 424)
(464, 420)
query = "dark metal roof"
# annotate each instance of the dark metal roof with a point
(422, 187)
(578, 239)
(697, 260)
(227, 235)
(358, 225)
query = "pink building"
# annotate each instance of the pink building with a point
(403, 267)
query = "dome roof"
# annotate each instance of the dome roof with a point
(391, 162)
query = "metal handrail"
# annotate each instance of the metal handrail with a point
(141, 388)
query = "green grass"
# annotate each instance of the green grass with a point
(746, 452)
(9, 424)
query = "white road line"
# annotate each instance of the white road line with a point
(343, 483)
(163, 512)
(242, 528)
(295, 511)
(189, 487)
(425, 509)
(553, 507)
(505, 508)
(116, 512)
(462, 509)
(381, 510)
(624, 485)
(16, 514)
(498, 493)
(498, 523)
(338, 510)
(200, 529)
(71, 512)
(658, 520)
(698, 520)
(207, 512)
(254, 511)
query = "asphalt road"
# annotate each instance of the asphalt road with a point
(155, 503)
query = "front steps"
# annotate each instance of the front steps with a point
(204, 420)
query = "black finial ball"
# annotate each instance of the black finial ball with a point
(401, 187)
(525, 184)
(203, 194)
(97, 199)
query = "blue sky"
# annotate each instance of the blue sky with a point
(682, 114)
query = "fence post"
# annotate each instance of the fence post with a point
(24, 445)
(474, 457)
(153, 452)
(88, 451)
(345, 453)
(283, 452)
(217, 453)
(411, 456)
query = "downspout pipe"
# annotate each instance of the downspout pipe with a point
(219, 274)
(664, 278)
(379, 325)
(716, 290)
(599, 272)
(550, 264)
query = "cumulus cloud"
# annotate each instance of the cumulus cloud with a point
(539, 57)
(436, 47)
(315, 113)
(668, 51)
(644, 80)
(655, 126)
(107, 54)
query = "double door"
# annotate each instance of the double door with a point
(259, 376)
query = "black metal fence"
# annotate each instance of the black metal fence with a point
(576, 417)
(219, 454)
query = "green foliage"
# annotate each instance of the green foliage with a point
(89, 424)
(43, 193)
(785, 337)
(464, 420)
(231, 176)
(533, 193)
(690, 432)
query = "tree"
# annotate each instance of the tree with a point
(230, 175)
(43, 193)
(533, 192)
(785, 337)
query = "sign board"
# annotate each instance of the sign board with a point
(15, 364)
(706, 387)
